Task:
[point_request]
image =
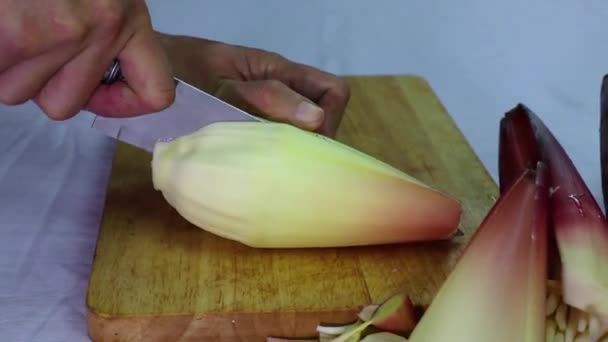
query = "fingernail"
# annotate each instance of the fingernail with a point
(308, 112)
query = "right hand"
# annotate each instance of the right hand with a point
(56, 53)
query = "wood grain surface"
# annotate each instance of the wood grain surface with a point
(158, 278)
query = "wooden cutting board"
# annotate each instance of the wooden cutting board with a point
(158, 278)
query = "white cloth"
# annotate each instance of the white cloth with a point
(481, 57)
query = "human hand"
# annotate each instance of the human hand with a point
(260, 82)
(56, 52)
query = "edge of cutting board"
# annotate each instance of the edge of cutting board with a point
(193, 327)
(196, 327)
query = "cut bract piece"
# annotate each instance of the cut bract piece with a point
(277, 186)
(496, 291)
(383, 337)
(387, 314)
(517, 150)
(402, 321)
(579, 226)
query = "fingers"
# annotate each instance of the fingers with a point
(273, 100)
(67, 92)
(334, 102)
(32, 47)
(328, 91)
(57, 52)
(148, 85)
(27, 32)
(23, 81)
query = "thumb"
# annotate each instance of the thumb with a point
(272, 100)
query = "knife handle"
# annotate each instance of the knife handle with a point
(112, 74)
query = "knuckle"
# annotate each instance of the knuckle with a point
(271, 86)
(272, 56)
(216, 56)
(110, 15)
(66, 25)
(267, 91)
(273, 62)
(70, 29)
(275, 56)
(343, 89)
(20, 43)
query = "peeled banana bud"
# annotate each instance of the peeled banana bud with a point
(272, 185)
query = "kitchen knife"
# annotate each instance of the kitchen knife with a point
(191, 110)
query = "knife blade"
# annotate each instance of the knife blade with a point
(192, 109)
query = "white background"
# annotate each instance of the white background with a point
(481, 58)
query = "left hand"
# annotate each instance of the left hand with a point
(260, 82)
